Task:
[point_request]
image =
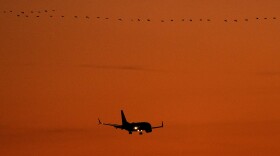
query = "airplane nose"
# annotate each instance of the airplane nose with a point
(149, 130)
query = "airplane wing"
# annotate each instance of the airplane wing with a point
(109, 124)
(158, 126)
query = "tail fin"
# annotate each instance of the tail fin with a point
(124, 121)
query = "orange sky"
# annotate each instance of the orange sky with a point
(215, 84)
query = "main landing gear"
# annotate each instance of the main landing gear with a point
(140, 132)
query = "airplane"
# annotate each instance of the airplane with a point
(133, 126)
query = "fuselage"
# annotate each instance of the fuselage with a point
(137, 126)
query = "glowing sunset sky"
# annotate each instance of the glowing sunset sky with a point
(215, 84)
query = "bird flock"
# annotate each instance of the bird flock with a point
(52, 14)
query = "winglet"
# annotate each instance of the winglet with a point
(99, 122)
(161, 126)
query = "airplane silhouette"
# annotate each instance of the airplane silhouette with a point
(133, 126)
